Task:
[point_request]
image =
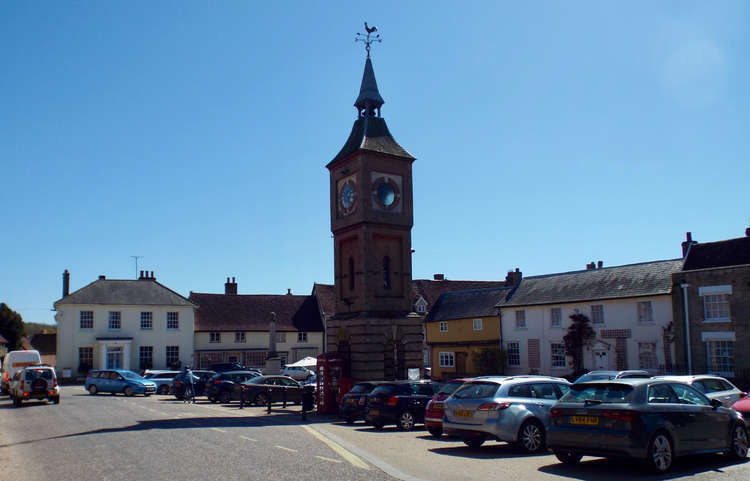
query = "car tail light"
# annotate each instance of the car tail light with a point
(628, 416)
(55, 384)
(392, 401)
(25, 394)
(216, 383)
(743, 394)
(555, 412)
(493, 406)
(177, 384)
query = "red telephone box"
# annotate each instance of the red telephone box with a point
(331, 384)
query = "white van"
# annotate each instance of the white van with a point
(15, 361)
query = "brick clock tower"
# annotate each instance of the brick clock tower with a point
(374, 328)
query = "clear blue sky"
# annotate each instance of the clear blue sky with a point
(195, 134)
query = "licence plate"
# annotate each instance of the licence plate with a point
(586, 420)
(437, 405)
(350, 400)
(463, 413)
(374, 412)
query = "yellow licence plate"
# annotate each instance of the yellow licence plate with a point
(463, 413)
(350, 400)
(374, 412)
(587, 420)
(437, 405)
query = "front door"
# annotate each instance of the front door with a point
(601, 360)
(114, 357)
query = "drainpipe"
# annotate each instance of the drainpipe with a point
(684, 286)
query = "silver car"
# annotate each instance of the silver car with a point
(514, 409)
(714, 387)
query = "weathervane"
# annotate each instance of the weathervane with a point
(366, 38)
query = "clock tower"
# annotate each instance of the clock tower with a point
(374, 327)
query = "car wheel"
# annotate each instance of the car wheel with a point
(739, 446)
(56, 400)
(213, 399)
(406, 421)
(437, 432)
(378, 426)
(261, 400)
(474, 443)
(128, 391)
(660, 453)
(349, 420)
(225, 398)
(93, 389)
(568, 457)
(531, 436)
(163, 389)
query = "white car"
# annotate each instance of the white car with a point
(714, 387)
(297, 372)
(34, 382)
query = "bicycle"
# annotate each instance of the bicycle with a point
(189, 395)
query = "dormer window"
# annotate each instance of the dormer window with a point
(421, 305)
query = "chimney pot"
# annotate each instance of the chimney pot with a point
(233, 281)
(227, 279)
(102, 277)
(288, 292)
(230, 288)
(152, 275)
(66, 283)
(599, 265)
(747, 232)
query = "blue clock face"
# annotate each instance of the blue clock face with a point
(347, 196)
(386, 194)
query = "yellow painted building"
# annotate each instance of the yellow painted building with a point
(460, 324)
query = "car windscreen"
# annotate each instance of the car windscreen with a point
(450, 387)
(607, 393)
(130, 375)
(594, 377)
(390, 389)
(476, 390)
(361, 389)
(256, 380)
(38, 373)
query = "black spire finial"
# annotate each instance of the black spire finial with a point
(366, 38)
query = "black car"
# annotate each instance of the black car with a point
(654, 420)
(228, 366)
(401, 403)
(220, 386)
(257, 390)
(200, 377)
(354, 403)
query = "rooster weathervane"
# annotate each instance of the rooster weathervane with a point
(366, 38)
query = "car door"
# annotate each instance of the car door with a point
(707, 424)
(293, 389)
(664, 405)
(544, 396)
(422, 393)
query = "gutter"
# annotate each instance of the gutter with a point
(684, 286)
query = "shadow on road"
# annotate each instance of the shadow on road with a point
(489, 451)
(607, 469)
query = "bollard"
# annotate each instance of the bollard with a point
(308, 401)
(284, 406)
(242, 396)
(269, 401)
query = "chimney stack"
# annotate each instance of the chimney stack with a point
(142, 276)
(66, 283)
(152, 276)
(513, 278)
(230, 288)
(439, 277)
(591, 265)
(747, 232)
(288, 292)
(688, 242)
(102, 277)
(599, 265)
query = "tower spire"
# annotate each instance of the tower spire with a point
(369, 101)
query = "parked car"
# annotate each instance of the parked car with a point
(514, 409)
(200, 378)
(297, 372)
(399, 402)
(256, 390)
(34, 382)
(220, 386)
(654, 420)
(604, 375)
(354, 403)
(433, 417)
(162, 379)
(743, 407)
(14, 362)
(118, 380)
(714, 387)
(226, 366)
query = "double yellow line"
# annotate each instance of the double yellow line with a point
(349, 457)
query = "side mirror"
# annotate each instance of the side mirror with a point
(715, 403)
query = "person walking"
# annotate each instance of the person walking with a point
(189, 386)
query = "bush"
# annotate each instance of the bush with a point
(489, 361)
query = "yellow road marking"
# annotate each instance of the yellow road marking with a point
(286, 449)
(248, 439)
(349, 457)
(329, 459)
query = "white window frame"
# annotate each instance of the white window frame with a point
(301, 336)
(173, 321)
(240, 337)
(597, 314)
(114, 320)
(717, 349)
(645, 312)
(555, 317)
(716, 300)
(81, 320)
(477, 324)
(647, 357)
(147, 321)
(443, 326)
(214, 337)
(558, 360)
(520, 319)
(447, 359)
(174, 350)
(513, 349)
(421, 305)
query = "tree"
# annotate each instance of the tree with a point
(579, 334)
(11, 326)
(489, 361)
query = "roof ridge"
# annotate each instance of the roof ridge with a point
(540, 276)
